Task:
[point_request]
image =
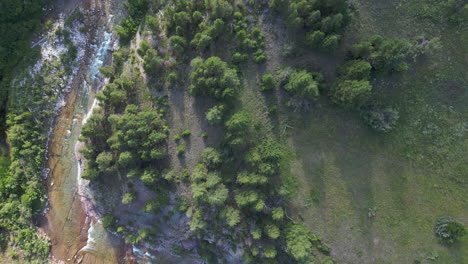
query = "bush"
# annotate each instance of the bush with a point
(448, 230)
(268, 82)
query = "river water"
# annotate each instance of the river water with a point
(73, 225)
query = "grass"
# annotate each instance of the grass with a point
(410, 176)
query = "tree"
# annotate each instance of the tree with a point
(272, 231)
(104, 161)
(269, 251)
(211, 158)
(231, 215)
(239, 122)
(207, 186)
(277, 213)
(384, 54)
(349, 92)
(219, 8)
(152, 64)
(268, 82)
(107, 71)
(301, 84)
(178, 43)
(152, 23)
(315, 38)
(215, 114)
(355, 70)
(126, 159)
(251, 178)
(129, 197)
(298, 242)
(213, 77)
(331, 42)
(108, 221)
(149, 177)
(448, 230)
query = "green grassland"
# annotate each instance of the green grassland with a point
(376, 197)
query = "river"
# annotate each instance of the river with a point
(73, 224)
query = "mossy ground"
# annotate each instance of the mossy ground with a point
(408, 177)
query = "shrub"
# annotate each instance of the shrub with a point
(379, 118)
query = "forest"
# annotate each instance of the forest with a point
(250, 123)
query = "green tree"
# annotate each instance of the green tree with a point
(213, 77)
(129, 197)
(277, 213)
(178, 43)
(126, 159)
(152, 23)
(315, 38)
(268, 82)
(211, 158)
(301, 84)
(215, 114)
(231, 215)
(350, 92)
(152, 64)
(149, 177)
(269, 251)
(104, 161)
(298, 242)
(108, 221)
(355, 70)
(272, 231)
